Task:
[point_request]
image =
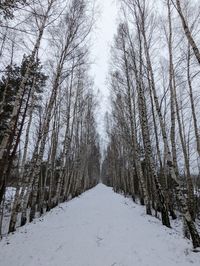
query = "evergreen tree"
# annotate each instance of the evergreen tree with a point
(9, 86)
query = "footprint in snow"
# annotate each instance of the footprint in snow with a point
(98, 241)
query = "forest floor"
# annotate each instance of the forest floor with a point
(100, 228)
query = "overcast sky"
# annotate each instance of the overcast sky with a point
(103, 38)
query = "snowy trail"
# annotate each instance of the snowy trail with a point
(100, 228)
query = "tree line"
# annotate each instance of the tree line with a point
(49, 146)
(153, 128)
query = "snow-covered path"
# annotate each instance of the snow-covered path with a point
(100, 228)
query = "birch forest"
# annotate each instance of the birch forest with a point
(153, 128)
(51, 148)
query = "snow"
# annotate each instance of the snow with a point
(100, 228)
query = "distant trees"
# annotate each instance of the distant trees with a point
(47, 127)
(153, 146)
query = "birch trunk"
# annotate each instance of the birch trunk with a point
(136, 156)
(171, 86)
(16, 204)
(196, 130)
(187, 31)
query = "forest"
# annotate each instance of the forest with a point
(51, 150)
(153, 129)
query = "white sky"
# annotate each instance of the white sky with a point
(103, 38)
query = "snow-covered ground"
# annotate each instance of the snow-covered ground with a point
(100, 228)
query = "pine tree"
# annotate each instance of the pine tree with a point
(9, 87)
